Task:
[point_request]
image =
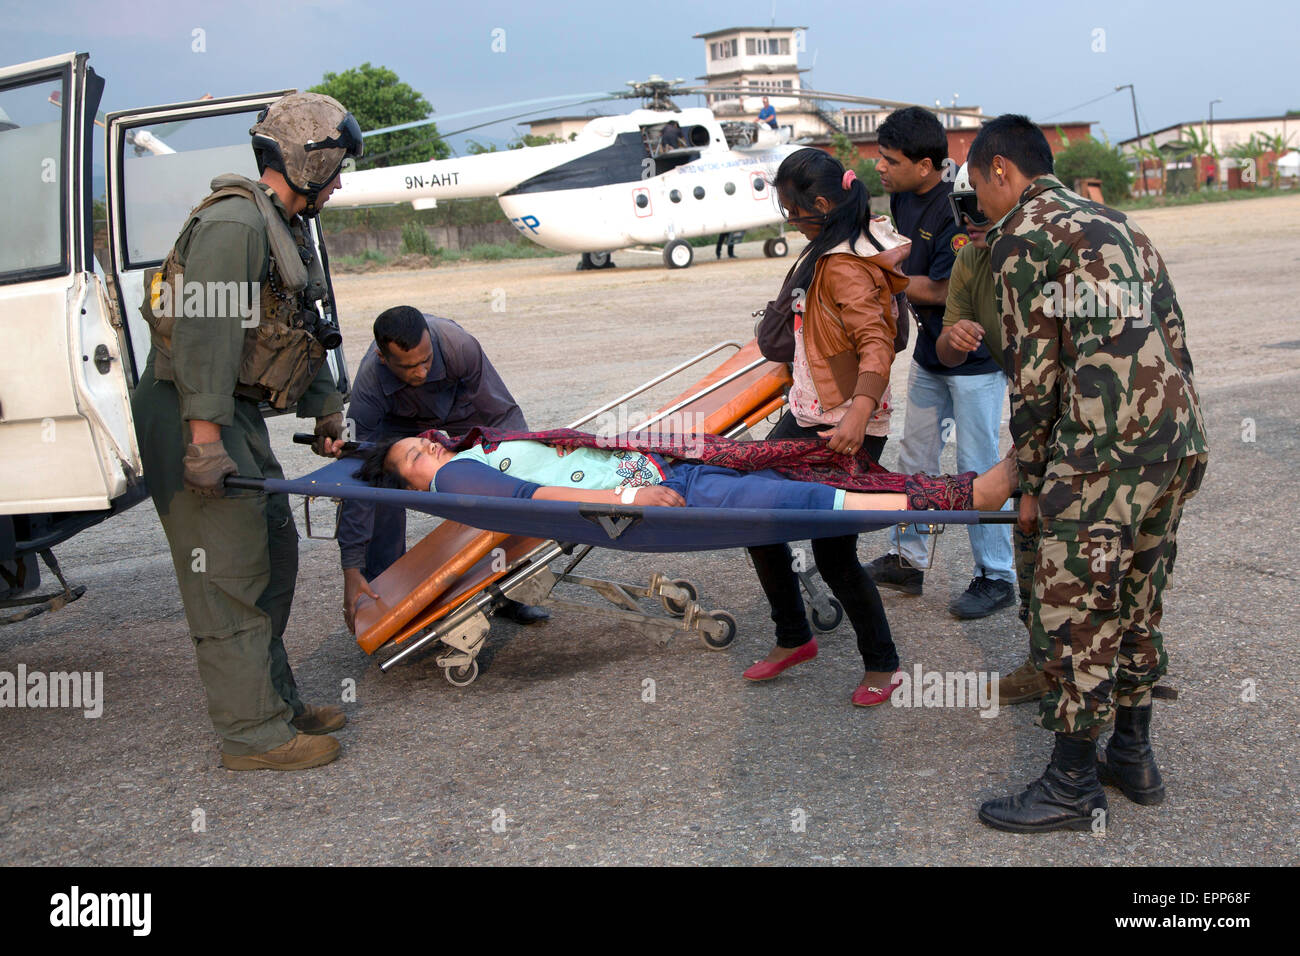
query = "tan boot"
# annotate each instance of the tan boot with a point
(301, 753)
(319, 720)
(1022, 685)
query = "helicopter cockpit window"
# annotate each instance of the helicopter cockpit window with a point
(33, 187)
(166, 170)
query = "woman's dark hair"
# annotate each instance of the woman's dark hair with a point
(402, 324)
(372, 470)
(809, 174)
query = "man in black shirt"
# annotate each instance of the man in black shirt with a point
(961, 404)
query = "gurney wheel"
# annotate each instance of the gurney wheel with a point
(824, 625)
(461, 676)
(728, 635)
(675, 608)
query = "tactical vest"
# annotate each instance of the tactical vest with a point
(280, 357)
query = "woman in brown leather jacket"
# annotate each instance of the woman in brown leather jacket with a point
(844, 325)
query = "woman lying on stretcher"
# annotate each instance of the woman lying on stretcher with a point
(563, 465)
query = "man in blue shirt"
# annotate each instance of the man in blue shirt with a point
(963, 403)
(767, 114)
(421, 372)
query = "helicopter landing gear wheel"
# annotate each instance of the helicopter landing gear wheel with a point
(678, 254)
(776, 248)
(596, 260)
(716, 642)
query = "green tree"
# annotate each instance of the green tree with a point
(1278, 145)
(528, 139)
(1197, 144)
(377, 98)
(1248, 154)
(843, 149)
(1150, 154)
(1092, 159)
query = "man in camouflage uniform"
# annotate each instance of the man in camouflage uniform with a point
(198, 419)
(1110, 443)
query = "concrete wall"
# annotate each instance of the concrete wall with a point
(389, 241)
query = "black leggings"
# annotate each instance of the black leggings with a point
(837, 560)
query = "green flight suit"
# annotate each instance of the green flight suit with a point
(236, 557)
(971, 296)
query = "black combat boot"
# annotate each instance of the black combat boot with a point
(1063, 798)
(1128, 762)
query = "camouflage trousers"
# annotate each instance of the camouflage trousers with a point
(1025, 547)
(1104, 555)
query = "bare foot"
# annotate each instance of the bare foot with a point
(992, 489)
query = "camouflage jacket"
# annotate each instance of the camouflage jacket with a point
(1094, 340)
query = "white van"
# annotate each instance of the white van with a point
(72, 340)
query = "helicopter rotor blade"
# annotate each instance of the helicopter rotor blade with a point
(807, 94)
(441, 117)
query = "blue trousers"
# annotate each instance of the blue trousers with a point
(708, 486)
(966, 409)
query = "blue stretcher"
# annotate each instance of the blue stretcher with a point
(621, 527)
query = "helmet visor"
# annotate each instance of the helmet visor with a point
(966, 206)
(347, 138)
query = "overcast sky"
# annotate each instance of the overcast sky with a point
(1047, 59)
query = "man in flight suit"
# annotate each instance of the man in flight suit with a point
(234, 323)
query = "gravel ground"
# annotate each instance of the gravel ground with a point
(555, 741)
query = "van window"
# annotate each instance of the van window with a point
(33, 242)
(166, 171)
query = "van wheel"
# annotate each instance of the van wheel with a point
(678, 254)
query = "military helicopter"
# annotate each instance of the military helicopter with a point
(618, 184)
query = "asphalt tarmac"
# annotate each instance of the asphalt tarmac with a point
(554, 755)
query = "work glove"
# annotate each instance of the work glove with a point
(331, 427)
(206, 467)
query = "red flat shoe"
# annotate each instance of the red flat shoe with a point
(871, 696)
(766, 670)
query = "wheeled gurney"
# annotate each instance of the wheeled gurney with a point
(442, 590)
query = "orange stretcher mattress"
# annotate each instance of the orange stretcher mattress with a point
(453, 562)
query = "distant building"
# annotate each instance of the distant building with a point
(744, 64)
(1225, 135)
(561, 127)
(960, 137)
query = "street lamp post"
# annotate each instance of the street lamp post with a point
(1138, 127)
(1213, 150)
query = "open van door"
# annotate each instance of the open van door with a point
(68, 455)
(161, 161)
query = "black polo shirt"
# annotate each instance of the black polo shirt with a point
(927, 220)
